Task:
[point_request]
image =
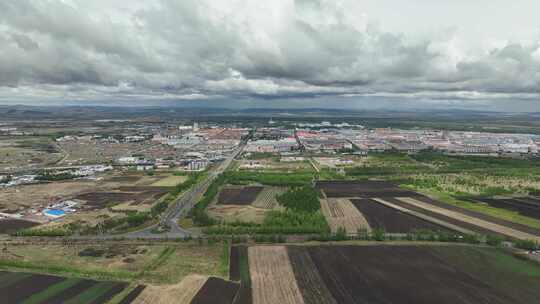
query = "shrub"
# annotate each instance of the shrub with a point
(527, 245)
(494, 240)
(378, 234)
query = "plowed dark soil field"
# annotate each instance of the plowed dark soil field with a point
(239, 271)
(389, 219)
(12, 225)
(16, 287)
(479, 215)
(216, 291)
(136, 195)
(238, 196)
(408, 274)
(361, 189)
(526, 207)
(475, 228)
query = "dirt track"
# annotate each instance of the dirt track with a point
(475, 221)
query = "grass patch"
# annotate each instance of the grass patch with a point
(501, 271)
(92, 293)
(42, 296)
(14, 265)
(483, 208)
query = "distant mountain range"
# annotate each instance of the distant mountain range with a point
(23, 112)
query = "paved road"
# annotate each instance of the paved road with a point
(181, 207)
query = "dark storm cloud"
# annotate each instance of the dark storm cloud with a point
(187, 49)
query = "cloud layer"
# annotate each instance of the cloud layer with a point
(204, 49)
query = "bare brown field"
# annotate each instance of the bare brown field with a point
(471, 220)
(272, 276)
(13, 199)
(238, 195)
(341, 213)
(12, 225)
(232, 213)
(91, 151)
(181, 293)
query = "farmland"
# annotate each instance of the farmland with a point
(361, 189)
(379, 274)
(457, 179)
(17, 287)
(526, 206)
(341, 213)
(395, 210)
(11, 225)
(243, 203)
(238, 196)
(391, 220)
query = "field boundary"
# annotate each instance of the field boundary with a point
(424, 217)
(471, 220)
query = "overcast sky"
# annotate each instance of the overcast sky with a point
(481, 54)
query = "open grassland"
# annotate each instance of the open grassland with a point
(27, 152)
(457, 174)
(150, 264)
(170, 181)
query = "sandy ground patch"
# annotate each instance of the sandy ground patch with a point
(170, 181)
(272, 276)
(181, 293)
(231, 213)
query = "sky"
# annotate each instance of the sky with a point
(362, 54)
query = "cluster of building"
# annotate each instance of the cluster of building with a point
(323, 141)
(195, 147)
(12, 131)
(81, 171)
(51, 212)
(272, 140)
(334, 138)
(454, 142)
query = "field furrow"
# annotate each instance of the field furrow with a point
(272, 276)
(475, 221)
(341, 213)
(313, 289)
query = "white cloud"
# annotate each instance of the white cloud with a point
(196, 49)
